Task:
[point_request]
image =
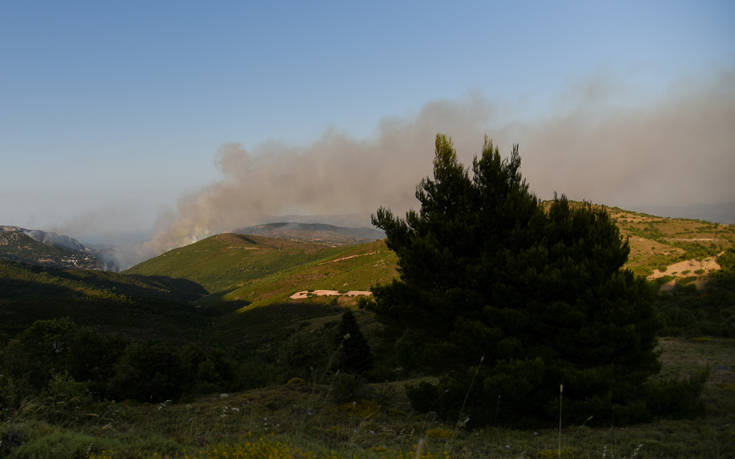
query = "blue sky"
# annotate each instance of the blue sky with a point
(123, 105)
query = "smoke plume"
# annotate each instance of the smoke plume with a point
(679, 149)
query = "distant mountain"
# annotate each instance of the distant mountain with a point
(314, 232)
(46, 249)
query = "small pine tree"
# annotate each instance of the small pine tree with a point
(354, 354)
(539, 296)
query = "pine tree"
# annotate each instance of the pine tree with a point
(539, 296)
(354, 354)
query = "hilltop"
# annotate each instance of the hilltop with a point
(314, 232)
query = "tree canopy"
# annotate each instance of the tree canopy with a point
(533, 293)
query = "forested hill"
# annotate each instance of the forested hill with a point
(46, 249)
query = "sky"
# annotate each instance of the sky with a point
(181, 119)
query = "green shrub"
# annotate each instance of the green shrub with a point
(148, 372)
(727, 260)
(209, 371)
(56, 346)
(353, 351)
(710, 310)
(347, 388)
(63, 401)
(306, 354)
(677, 397)
(40, 351)
(58, 444)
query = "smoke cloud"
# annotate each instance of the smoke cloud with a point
(677, 150)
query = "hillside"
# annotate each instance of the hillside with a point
(282, 355)
(225, 262)
(134, 305)
(45, 249)
(262, 270)
(658, 242)
(354, 268)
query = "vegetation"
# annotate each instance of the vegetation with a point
(353, 351)
(155, 307)
(224, 262)
(691, 311)
(16, 245)
(200, 352)
(509, 302)
(287, 420)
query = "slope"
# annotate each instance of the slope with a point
(227, 261)
(151, 307)
(353, 268)
(16, 244)
(657, 242)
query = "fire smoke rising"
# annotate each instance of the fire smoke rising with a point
(679, 150)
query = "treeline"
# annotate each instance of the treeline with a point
(58, 367)
(56, 357)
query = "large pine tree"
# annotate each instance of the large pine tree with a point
(539, 295)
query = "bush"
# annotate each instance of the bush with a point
(306, 354)
(40, 351)
(710, 310)
(57, 346)
(353, 351)
(148, 372)
(677, 397)
(347, 388)
(209, 371)
(58, 444)
(63, 401)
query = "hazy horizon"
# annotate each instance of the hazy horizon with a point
(121, 123)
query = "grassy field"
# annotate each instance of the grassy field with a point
(300, 419)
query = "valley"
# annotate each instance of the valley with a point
(272, 306)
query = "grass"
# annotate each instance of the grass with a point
(299, 420)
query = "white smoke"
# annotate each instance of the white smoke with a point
(680, 149)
